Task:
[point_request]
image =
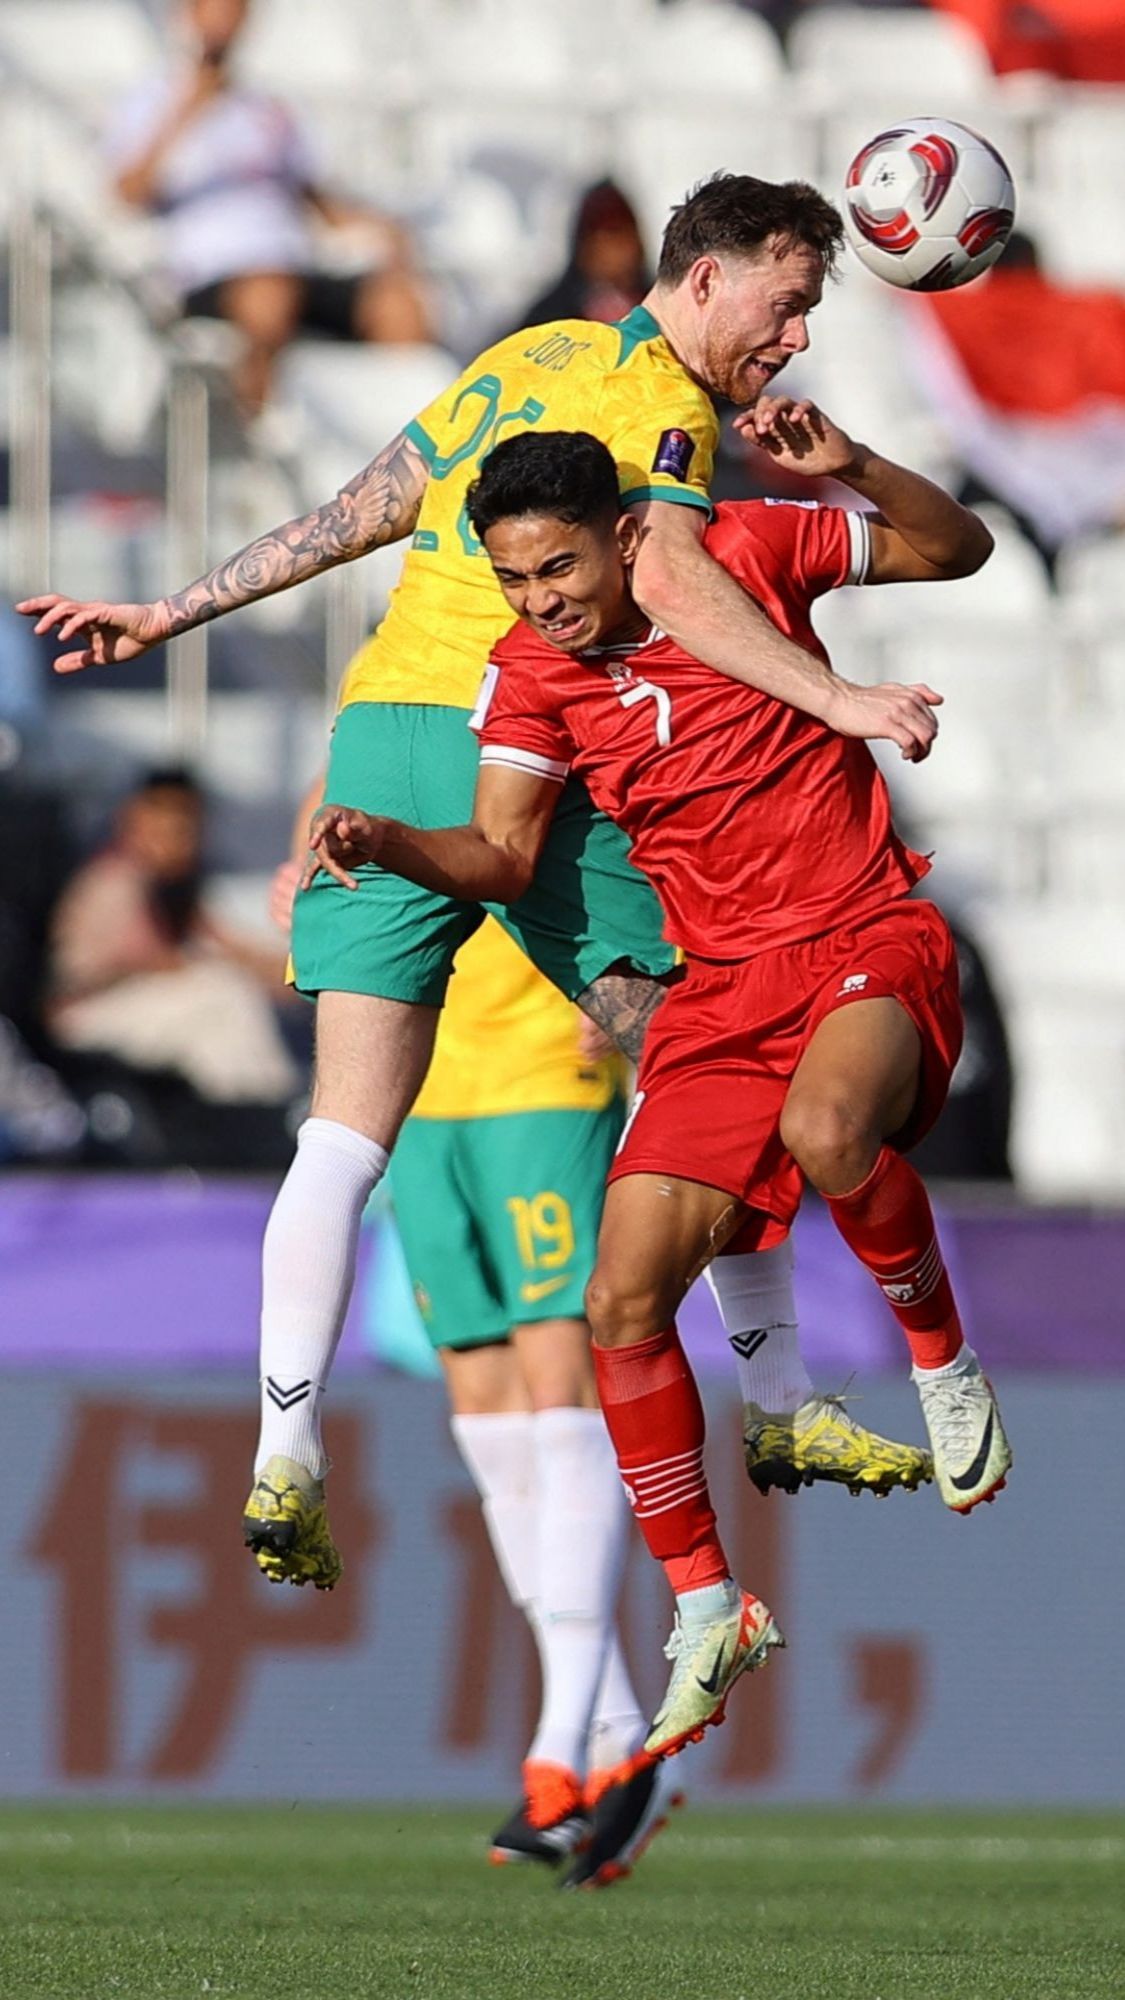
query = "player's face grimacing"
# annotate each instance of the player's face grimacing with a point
(754, 318)
(569, 583)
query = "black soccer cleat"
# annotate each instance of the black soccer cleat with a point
(518, 1840)
(627, 1817)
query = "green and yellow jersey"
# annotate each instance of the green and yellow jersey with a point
(508, 1041)
(624, 385)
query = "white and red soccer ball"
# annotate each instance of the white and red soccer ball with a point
(928, 204)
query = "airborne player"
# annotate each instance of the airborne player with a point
(818, 1023)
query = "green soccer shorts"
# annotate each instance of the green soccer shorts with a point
(499, 1216)
(587, 909)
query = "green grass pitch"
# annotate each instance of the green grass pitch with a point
(300, 1903)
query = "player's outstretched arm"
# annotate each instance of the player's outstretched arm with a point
(379, 505)
(919, 534)
(692, 598)
(492, 860)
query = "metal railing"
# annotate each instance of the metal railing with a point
(39, 243)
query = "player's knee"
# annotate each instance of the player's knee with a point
(829, 1141)
(619, 1310)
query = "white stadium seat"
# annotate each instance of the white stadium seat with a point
(1091, 578)
(495, 50)
(1060, 972)
(660, 157)
(704, 50)
(1069, 1105)
(1087, 858)
(292, 49)
(355, 398)
(1078, 200)
(88, 50)
(923, 60)
(350, 402)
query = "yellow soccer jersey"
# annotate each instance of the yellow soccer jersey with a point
(508, 1041)
(623, 384)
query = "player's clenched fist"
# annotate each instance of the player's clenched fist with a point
(341, 838)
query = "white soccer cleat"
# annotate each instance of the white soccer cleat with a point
(706, 1665)
(971, 1453)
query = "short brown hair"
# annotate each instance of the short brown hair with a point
(737, 214)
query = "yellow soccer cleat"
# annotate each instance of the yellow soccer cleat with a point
(821, 1441)
(286, 1527)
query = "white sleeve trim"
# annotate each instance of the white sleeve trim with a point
(525, 760)
(859, 538)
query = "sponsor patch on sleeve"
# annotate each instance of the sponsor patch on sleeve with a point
(674, 454)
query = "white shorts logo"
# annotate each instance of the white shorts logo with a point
(854, 983)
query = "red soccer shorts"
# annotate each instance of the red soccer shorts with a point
(724, 1045)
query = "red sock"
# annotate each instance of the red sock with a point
(889, 1224)
(654, 1416)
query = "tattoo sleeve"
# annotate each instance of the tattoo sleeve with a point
(622, 1004)
(379, 505)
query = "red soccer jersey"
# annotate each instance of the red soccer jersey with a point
(757, 825)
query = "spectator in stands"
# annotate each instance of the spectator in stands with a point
(1029, 377)
(606, 273)
(228, 171)
(140, 971)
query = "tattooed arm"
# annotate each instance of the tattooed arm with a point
(622, 1004)
(379, 505)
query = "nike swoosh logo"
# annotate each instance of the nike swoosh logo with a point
(964, 1480)
(529, 1292)
(711, 1684)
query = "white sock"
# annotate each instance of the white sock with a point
(698, 1608)
(964, 1362)
(500, 1455)
(754, 1294)
(583, 1522)
(619, 1726)
(308, 1268)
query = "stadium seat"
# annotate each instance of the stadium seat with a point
(917, 58)
(1091, 580)
(496, 181)
(260, 746)
(291, 49)
(1069, 1103)
(1082, 168)
(1087, 858)
(1011, 678)
(1060, 972)
(496, 50)
(712, 52)
(350, 402)
(659, 157)
(88, 52)
(355, 398)
(101, 547)
(1055, 946)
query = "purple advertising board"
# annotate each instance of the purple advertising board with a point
(124, 1272)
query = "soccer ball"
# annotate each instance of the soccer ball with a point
(928, 205)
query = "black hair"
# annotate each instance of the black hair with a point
(567, 474)
(737, 214)
(168, 778)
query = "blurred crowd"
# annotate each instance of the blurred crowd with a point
(137, 1024)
